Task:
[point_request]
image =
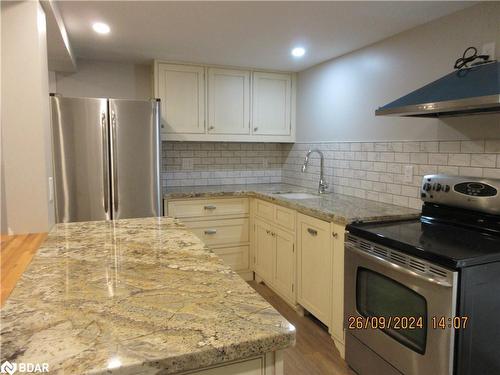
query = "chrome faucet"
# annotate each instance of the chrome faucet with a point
(322, 183)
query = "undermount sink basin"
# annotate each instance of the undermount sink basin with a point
(297, 195)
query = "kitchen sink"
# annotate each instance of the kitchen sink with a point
(292, 195)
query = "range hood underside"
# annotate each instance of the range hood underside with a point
(459, 107)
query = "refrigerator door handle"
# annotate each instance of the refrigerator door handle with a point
(105, 168)
(115, 161)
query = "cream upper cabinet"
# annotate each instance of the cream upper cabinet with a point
(314, 272)
(181, 89)
(204, 103)
(228, 101)
(271, 103)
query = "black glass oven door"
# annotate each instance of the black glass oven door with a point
(403, 311)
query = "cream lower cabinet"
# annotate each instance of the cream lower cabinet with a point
(274, 248)
(314, 266)
(337, 330)
(263, 250)
(300, 257)
(274, 258)
(222, 224)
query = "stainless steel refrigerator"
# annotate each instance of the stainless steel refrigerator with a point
(106, 158)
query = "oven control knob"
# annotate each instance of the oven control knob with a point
(427, 186)
(447, 188)
(438, 187)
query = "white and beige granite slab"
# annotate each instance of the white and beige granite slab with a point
(338, 208)
(134, 296)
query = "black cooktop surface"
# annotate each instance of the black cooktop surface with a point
(448, 245)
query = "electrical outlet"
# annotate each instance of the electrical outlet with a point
(489, 49)
(408, 173)
(187, 164)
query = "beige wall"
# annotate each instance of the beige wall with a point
(106, 79)
(336, 100)
(26, 147)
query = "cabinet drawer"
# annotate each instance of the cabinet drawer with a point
(285, 217)
(220, 232)
(236, 256)
(264, 209)
(207, 207)
(278, 215)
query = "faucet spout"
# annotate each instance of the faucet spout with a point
(323, 185)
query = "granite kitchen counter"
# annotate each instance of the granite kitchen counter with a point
(338, 208)
(134, 296)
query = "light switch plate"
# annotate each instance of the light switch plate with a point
(408, 173)
(51, 189)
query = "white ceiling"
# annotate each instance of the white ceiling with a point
(256, 34)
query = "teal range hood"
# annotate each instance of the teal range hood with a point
(467, 91)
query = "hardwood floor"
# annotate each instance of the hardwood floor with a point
(314, 352)
(16, 253)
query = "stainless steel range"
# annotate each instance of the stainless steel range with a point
(423, 296)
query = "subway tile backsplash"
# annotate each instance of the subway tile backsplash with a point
(371, 170)
(220, 163)
(375, 170)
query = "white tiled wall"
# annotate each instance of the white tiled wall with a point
(371, 170)
(375, 170)
(221, 163)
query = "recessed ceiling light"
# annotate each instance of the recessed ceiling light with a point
(298, 52)
(101, 28)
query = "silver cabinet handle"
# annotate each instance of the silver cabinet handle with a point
(312, 232)
(105, 168)
(211, 231)
(255, 129)
(210, 207)
(211, 127)
(115, 162)
(335, 235)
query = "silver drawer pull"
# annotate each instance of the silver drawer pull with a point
(312, 232)
(211, 231)
(210, 207)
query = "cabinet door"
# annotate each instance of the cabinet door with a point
(181, 89)
(314, 267)
(337, 325)
(271, 103)
(264, 251)
(284, 271)
(234, 256)
(228, 101)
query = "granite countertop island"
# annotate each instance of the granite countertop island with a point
(134, 296)
(338, 208)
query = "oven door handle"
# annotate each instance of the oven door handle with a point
(398, 267)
